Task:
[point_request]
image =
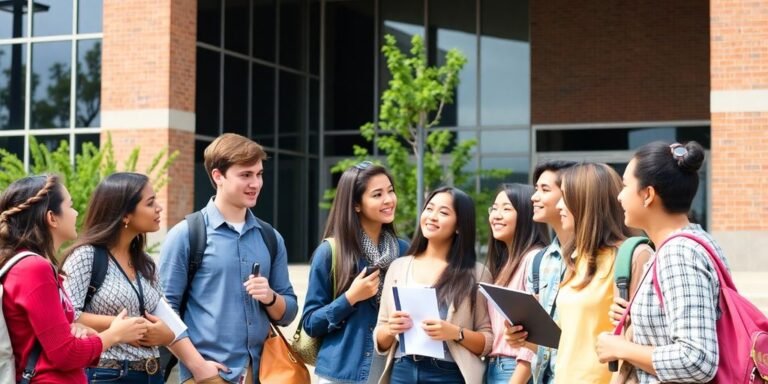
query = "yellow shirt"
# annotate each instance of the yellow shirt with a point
(583, 315)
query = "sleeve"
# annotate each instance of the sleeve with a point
(689, 286)
(322, 312)
(404, 245)
(78, 269)
(174, 263)
(385, 306)
(281, 283)
(525, 354)
(51, 327)
(482, 320)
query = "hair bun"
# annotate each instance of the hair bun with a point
(692, 160)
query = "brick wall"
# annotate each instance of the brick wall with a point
(608, 61)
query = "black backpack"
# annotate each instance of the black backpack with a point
(198, 239)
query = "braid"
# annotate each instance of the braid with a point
(50, 182)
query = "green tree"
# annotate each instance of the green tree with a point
(413, 103)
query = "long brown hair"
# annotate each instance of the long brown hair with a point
(589, 192)
(343, 223)
(116, 196)
(23, 209)
(503, 260)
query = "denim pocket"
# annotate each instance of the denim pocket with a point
(445, 366)
(104, 375)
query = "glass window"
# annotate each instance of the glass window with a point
(203, 187)
(13, 20)
(209, 22)
(89, 16)
(291, 204)
(88, 83)
(505, 55)
(292, 30)
(264, 14)
(610, 139)
(342, 145)
(14, 145)
(292, 111)
(454, 26)
(507, 140)
(519, 166)
(51, 81)
(263, 105)
(52, 18)
(314, 115)
(236, 29)
(12, 89)
(314, 37)
(235, 95)
(81, 139)
(207, 94)
(52, 142)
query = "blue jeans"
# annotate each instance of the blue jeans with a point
(122, 376)
(500, 370)
(425, 370)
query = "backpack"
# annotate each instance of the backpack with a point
(622, 273)
(742, 329)
(7, 362)
(198, 240)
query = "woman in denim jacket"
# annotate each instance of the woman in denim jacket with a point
(343, 302)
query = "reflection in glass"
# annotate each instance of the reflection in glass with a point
(292, 27)
(51, 81)
(292, 111)
(88, 83)
(13, 19)
(236, 19)
(89, 16)
(14, 145)
(235, 95)
(506, 140)
(56, 20)
(314, 37)
(518, 165)
(12, 90)
(292, 205)
(51, 142)
(342, 145)
(203, 187)
(209, 21)
(207, 94)
(263, 105)
(505, 55)
(81, 139)
(264, 29)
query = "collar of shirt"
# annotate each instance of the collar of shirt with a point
(216, 219)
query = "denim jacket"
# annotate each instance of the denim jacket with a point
(347, 331)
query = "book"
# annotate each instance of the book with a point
(522, 308)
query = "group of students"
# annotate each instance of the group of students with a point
(82, 334)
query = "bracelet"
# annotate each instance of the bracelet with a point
(274, 299)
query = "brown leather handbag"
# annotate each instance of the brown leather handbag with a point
(279, 363)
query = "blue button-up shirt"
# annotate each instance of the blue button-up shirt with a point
(550, 275)
(224, 322)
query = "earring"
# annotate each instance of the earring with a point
(126, 225)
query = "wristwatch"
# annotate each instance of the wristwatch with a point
(461, 335)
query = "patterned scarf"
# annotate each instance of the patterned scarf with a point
(381, 256)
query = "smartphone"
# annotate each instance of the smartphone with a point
(370, 269)
(255, 269)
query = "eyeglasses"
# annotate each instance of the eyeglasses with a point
(363, 165)
(678, 151)
(504, 210)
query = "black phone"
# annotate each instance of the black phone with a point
(371, 269)
(255, 269)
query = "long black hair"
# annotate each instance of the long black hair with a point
(458, 279)
(675, 178)
(504, 260)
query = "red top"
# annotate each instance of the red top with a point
(36, 309)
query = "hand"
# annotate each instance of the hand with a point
(515, 335)
(258, 288)
(440, 330)
(363, 287)
(207, 370)
(399, 322)
(608, 346)
(81, 331)
(128, 329)
(617, 310)
(158, 332)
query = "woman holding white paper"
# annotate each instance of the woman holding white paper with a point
(515, 239)
(123, 209)
(442, 256)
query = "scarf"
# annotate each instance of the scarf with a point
(381, 256)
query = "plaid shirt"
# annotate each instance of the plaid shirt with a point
(683, 331)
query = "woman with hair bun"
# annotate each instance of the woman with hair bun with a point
(676, 341)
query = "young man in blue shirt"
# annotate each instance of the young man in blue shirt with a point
(552, 265)
(228, 310)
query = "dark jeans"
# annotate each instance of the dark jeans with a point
(425, 370)
(122, 376)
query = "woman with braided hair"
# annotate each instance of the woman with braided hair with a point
(36, 217)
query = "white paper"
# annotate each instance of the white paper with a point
(164, 311)
(420, 304)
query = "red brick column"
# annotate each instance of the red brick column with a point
(148, 90)
(739, 106)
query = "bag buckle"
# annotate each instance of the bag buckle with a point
(151, 366)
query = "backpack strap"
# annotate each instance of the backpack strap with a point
(98, 273)
(198, 239)
(270, 239)
(535, 268)
(332, 243)
(15, 259)
(622, 274)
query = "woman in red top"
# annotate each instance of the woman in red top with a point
(36, 215)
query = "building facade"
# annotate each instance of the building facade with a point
(544, 79)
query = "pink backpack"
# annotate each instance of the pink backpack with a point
(742, 330)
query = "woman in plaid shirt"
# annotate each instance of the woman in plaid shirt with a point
(676, 342)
